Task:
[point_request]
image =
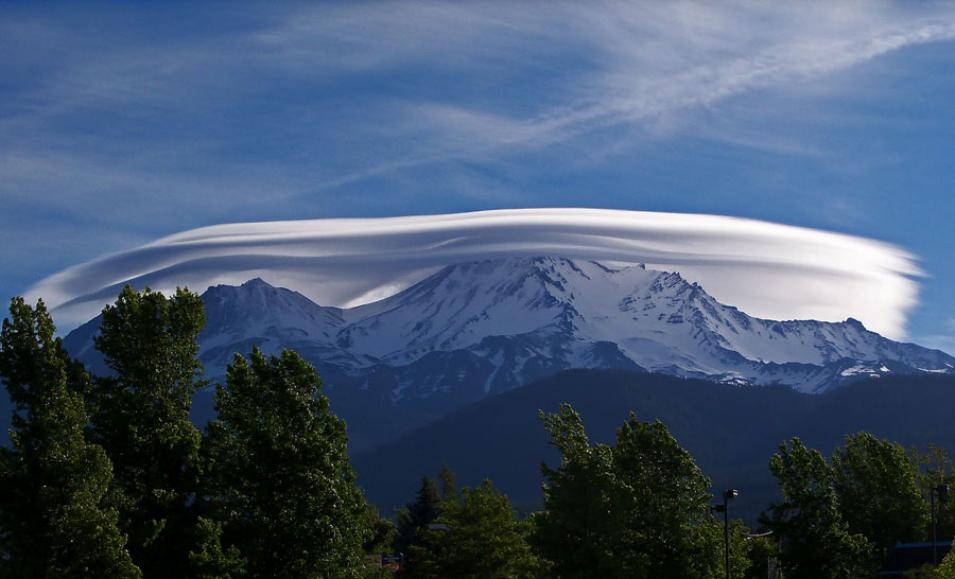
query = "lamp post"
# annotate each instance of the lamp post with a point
(942, 492)
(724, 508)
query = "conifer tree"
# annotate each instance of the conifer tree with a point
(278, 474)
(412, 523)
(418, 514)
(449, 483)
(53, 523)
(141, 418)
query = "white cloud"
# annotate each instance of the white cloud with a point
(766, 269)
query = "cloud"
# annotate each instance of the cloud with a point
(477, 82)
(648, 61)
(766, 269)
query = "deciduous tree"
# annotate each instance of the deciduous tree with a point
(53, 520)
(877, 488)
(278, 473)
(816, 542)
(141, 418)
(638, 509)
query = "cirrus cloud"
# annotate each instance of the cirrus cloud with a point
(766, 269)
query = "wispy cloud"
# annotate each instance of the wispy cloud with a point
(127, 119)
(767, 269)
(487, 80)
(655, 59)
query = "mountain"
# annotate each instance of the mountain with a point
(731, 431)
(477, 329)
(581, 314)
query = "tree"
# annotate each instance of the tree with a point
(762, 552)
(476, 537)
(878, 493)
(665, 498)
(209, 560)
(278, 475)
(935, 468)
(945, 569)
(141, 418)
(576, 530)
(53, 521)
(381, 535)
(413, 519)
(639, 509)
(449, 483)
(816, 542)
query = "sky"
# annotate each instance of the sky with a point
(124, 123)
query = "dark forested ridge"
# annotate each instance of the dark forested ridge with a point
(730, 430)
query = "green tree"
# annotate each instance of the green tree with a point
(638, 509)
(476, 537)
(53, 522)
(413, 520)
(878, 492)
(761, 553)
(141, 418)
(380, 540)
(278, 475)
(816, 542)
(577, 529)
(417, 514)
(449, 483)
(209, 560)
(945, 569)
(935, 468)
(665, 499)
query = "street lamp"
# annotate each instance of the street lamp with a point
(942, 492)
(724, 508)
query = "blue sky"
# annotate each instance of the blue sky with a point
(120, 123)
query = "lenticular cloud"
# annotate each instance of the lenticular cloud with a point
(766, 269)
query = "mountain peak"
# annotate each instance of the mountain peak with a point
(257, 282)
(514, 318)
(855, 323)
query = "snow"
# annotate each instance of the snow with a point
(659, 320)
(555, 309)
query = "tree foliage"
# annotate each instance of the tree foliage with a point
(209, 559)
(413, 519)
(278, 475)
(476, 536)
(878, 492)
(638, 509)
(935, 467)
(816, 541)
(141, 418)
(53, 521)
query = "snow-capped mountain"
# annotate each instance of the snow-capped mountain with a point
(477, 328)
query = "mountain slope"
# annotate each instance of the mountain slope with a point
(731, 431)
(478, 329)
(658, 321)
